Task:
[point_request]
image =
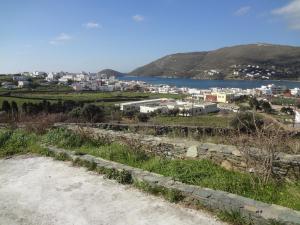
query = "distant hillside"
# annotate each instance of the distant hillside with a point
(110, 72)
(254, 61)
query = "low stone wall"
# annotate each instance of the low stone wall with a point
(155, 129)
(228, 156)
(255, 211)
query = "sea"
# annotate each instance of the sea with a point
(206, 84)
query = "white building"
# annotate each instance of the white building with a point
(190, 109)
(53, 76)
(295, 92)
(135, 106)
(66, 78)
(39, 74)
(22, 84)
(152, 108)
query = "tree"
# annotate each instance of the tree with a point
(254, 104)
(24, 107)
(247, 122)
(266, 107)
(14, 110)
(174, 112)
(6, 106)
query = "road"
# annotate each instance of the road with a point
(40, 191)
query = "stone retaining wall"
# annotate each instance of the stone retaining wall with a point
(156, 129)
(255, 211)
(228, 156)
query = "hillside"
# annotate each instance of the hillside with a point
(110, 72)
(254, 61)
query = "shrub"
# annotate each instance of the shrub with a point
(287, 110)
(247, 122)
(92, 113)
(254, 104)
(143, 117)
(16, 142)
(63, 138)
(76, 113)
(265, 106)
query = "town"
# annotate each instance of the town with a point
(195, 102)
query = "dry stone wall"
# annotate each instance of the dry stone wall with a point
(230, 157)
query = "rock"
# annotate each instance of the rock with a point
(243, 164)
(227, 165)
(237, 153)
(192, 152)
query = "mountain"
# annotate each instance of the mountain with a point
(110, 72)
(253, 61)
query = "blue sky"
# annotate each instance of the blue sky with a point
(90, 35)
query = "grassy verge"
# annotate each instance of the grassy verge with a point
(197, 172)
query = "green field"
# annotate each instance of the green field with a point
(100, 98)
(209, 120)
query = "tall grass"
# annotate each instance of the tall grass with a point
(17, 142)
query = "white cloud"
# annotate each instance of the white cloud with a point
(291, 12)
(92, 25)
(138, 18)
(242, 11)
(61, 38)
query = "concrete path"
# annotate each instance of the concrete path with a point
(40, 191)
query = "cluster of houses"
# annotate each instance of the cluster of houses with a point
(253, 72)
(202, 101)
(103, 82)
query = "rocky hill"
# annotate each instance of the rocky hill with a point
(110, 72)
(253, 61)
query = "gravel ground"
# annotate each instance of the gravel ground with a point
(40, 191)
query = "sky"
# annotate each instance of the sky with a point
(91, 35)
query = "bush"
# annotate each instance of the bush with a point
(143, 117)
(63, 138)
(76, 113)
(129, 114)
(287, 110)
(247, 122)
(265, 106)
(254, 104)
(92, 113)
(16, 142)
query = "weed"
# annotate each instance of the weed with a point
(169, 194)
(62, 156)
(234, 217)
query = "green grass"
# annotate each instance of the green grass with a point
(18, 142)
(209, 120)
(234, 218)
(284, 101)
(203, 173)
(197, 172)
